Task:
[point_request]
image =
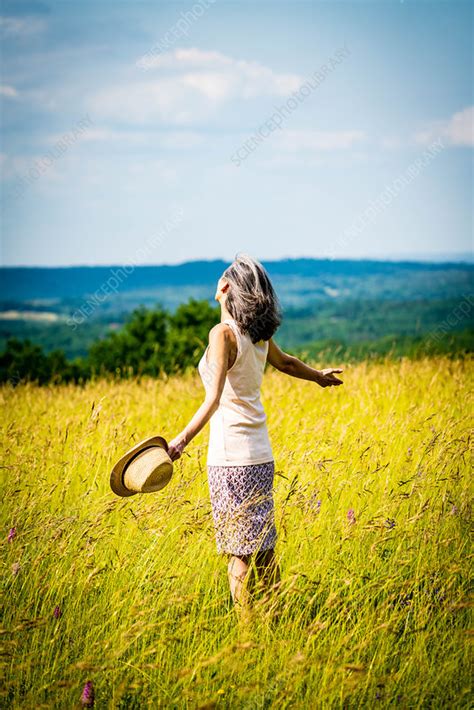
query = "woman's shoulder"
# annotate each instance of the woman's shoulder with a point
(221, 332)
(220, 329)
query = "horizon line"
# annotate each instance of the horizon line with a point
(436, 258)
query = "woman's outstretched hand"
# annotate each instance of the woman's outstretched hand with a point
(328, 377)
(176, 447)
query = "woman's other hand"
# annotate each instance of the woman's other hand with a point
(176, 447)
(328, 377)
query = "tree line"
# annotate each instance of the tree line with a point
(156, 342)
(151, 342)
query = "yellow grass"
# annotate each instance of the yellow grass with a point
(372, 613)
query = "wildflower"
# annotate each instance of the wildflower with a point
(16, 566)
(351, 516)
(11, 534)
(406, 600)
(57, 612)
(454, 510)
(312, 504)
(390, 523)
(87, 697)
(318, 506)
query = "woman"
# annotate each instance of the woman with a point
(240, 464)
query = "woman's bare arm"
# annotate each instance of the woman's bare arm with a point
(291, 365)
(218, 357)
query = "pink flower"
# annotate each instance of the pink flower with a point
(351, 516)
(57, 612)
(11, 534)
(87, 697)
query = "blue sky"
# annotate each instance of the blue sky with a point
(118, 116)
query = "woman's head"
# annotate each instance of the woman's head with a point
(248, 294)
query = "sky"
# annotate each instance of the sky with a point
(163, 132)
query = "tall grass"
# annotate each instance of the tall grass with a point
(131, 594)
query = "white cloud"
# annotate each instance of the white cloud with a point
(67, 173)
(164, 100)
(309, 148)
(460, 129)
(317, 141)
(391, 143)
(105, 135)
(229, 76)
(192, 57)
(20, 26)
(457, 130)
(8, 91)
(180, 140)
(212, 85)
(188, 85)
(18, 166)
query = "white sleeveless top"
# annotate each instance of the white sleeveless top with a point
(238, 428)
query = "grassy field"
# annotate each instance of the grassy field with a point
(131, 595)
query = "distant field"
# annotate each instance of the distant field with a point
(298, 282)
(130, 594)
(334, 325)
(354, 307)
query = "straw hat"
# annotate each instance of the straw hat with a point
(144, 469)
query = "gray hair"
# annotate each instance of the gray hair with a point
(251, 299)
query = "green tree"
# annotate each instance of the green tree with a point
(23, 361)
(153, 342)
(188, 335)
(138, 348)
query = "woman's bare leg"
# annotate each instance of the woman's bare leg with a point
(246, 572)
(239, 574)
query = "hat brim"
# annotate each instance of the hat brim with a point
(116, 477)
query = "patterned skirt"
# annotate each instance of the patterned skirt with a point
(242, 507)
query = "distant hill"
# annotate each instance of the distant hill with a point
(335, 302)
(298, 281)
